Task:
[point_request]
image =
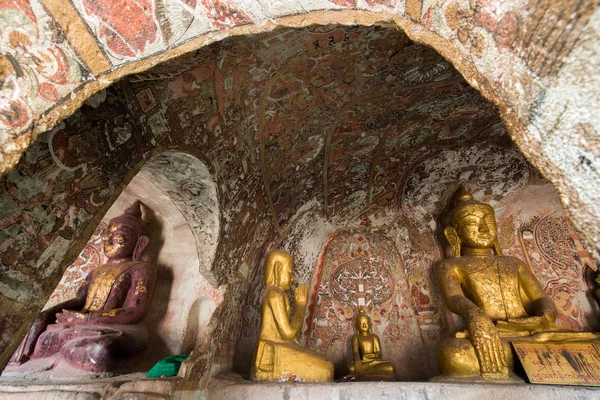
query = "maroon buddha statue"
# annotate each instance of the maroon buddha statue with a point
(103, 323)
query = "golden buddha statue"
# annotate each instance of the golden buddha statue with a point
(498, 297)
(277, 351)
(103, 323)
(366, 351)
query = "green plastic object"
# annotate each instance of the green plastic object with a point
(167, 366)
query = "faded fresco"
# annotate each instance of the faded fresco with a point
(38, 66)
(366, 269)
(312, 136)
(383, 258)
(42, 65)
(523, 55)
(90, 258)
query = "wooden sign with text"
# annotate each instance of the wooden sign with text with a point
(568, 363)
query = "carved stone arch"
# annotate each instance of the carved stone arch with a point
(502, 49)
(189, 184)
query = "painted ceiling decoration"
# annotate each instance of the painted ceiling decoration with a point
(305, 131)
(340, 124)
(522, 55)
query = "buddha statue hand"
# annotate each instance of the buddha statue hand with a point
(358, 367)
(488, 346)
(27, 346)
(71, 317)
(44, 319)
(301, 295)
(543, 323)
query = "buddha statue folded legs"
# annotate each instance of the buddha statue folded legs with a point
(277, 351)
(366, 351)
(111, 305)
(498, 296)
(92, 348)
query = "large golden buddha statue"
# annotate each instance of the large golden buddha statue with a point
(103, 323)
(498, 297)
(277, 351)
(366, 352)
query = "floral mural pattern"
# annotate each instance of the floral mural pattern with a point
(371, 264)
(38, 66)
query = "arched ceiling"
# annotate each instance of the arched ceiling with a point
(336, 116)
(537, 60)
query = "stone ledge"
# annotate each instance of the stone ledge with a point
(232, 386)
(132, 386)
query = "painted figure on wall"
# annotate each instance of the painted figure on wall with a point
(498, 297)
(103, 323)
(366, 351)
(277, 353)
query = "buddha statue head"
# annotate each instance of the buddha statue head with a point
(126, 236)
(362, 323)
(472, 224)
(278, 269)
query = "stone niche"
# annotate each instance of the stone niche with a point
(181, 211)
(392, 250)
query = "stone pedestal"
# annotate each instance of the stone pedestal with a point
(232, 386)
(376, 378)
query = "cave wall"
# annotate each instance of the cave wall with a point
(393, 250)
(536, 60)
(330, 122)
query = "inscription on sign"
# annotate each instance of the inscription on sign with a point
(560, 363)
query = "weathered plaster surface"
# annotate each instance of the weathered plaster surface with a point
(515, 52)
(233, 387)
(305, 132)
(189, 184)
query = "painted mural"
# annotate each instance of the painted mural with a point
(383, 257)
(365, 269)
(90, 258)
(128, 30)
(542, 236)
(309, 135)
(38, 66)
(42, 68)
(523, 54)
(64, 180)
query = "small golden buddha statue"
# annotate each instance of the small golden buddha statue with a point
(277, 351)
(366, 350)
(498, 297)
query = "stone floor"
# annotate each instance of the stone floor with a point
(232, 386)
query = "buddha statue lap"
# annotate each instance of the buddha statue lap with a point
(366, 350)
(277, 352)
(498, 296)
(103, 322)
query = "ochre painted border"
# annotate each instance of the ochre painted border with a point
(78, 35)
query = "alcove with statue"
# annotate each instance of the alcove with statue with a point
(334, 144)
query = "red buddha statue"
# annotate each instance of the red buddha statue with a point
(104, 321)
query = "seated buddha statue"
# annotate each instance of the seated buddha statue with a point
(366, 351)
(104, 321)
(277, 352)
(498, 297)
